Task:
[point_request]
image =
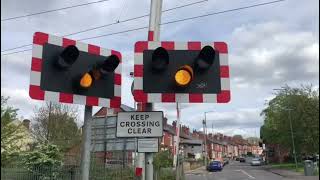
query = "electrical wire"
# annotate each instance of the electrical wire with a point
(53, 10)
(123, 8)
(221, 12)
(110, 24)
(170, 22)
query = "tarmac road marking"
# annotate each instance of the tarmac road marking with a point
(205, 176)
(244, 172)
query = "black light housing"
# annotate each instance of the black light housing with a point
(109, 65)
(160, 59)
(68, 56)
(205, 58)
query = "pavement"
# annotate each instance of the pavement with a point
(243, 171)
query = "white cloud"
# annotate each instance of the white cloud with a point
(270, 54)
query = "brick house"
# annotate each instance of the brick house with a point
(168, 134)
(191, 142)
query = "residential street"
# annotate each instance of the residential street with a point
(241, 171)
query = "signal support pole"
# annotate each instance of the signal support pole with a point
(205, 139)
(153, 35)
(85, 157)
(176, 162)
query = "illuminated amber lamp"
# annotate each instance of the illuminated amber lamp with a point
(86, 80)
(184, 76)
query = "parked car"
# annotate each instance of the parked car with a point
(242, 159)
(256, 162)
(237, 158)
(215, 166)
(220, 160)
(225, 161)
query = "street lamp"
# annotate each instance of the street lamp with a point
(204, 122)
(291, 129)
(292, 137)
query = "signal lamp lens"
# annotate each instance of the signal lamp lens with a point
(109, 65)
(86, 80)
(68, 56)
(184, 76)
(160, 59)
(205, 58)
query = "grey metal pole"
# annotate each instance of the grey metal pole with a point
(292, 138)
(154, 35)
(49, 122)
(149, 156)
(85, 158)
(177, 145)
(205, 138)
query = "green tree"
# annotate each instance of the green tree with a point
(44, 155)
(43, 161)
(302, 106)
(9, 133)
(56, 124)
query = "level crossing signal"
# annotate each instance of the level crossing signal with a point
(187, 72)
(68, 71)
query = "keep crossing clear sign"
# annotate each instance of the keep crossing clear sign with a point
(140, 124)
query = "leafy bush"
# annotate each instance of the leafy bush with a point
(44, 162)
(163, 159)
(167, 174)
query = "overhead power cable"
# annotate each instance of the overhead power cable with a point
(170, 22)
(53, 10)
(114, 23)
(221, 12)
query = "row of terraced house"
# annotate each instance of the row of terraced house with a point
(192, 143)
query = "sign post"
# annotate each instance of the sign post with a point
(176, 163)
(85, 157)
(148, 127)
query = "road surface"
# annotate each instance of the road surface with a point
(235, 171)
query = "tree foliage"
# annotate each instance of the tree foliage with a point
(44, 161)
(56, 124)
(44, 156)
(301, 105)
(163, 159)
(10, 132)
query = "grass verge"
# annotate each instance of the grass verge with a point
(291, 167)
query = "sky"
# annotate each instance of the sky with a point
(269, 46)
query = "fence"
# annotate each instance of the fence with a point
(66, 173)
(73, 173)
(15, 173)
(115, 168)
(106, 166)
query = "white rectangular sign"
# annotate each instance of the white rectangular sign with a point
(140, 124)
(148, 145)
